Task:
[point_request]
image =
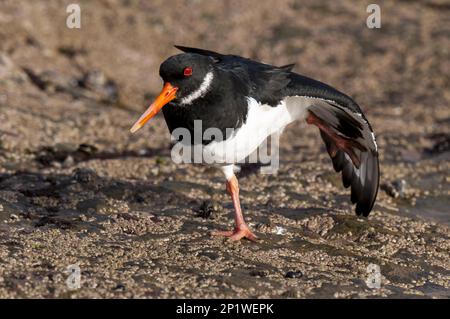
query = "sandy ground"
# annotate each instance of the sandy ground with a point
(77, 188)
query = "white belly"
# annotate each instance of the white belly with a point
(262, 121)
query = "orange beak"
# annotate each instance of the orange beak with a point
(167, 94)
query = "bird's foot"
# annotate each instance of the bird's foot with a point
(237, 234)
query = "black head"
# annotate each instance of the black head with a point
(187, 72)
(186, 76)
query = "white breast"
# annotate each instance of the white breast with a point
(262, 121)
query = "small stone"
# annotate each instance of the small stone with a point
(127, 216)
(87, 149)
(292, 293)
(259, 273)
(395, 189)
(209, 254)
(142, 152)
(207, 208)
(119, 287)
(84, 175)
(441, 144)
(3, 98)
(279, 230)
(69, 161)
(98, 82)
(293, 274)
(140, 198)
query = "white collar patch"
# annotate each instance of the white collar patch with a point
(200, 91)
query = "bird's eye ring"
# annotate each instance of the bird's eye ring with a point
(187, 71)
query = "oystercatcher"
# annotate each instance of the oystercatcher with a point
(253, 100)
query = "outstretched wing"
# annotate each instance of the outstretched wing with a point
(351, 145)
(347, 134)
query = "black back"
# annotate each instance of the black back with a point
(269, 84)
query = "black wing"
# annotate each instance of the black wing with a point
(347, 134)
(351, 145)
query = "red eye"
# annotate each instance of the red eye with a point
(187, 71)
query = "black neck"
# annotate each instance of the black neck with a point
(223, 106)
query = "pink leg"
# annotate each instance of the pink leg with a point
(241, 230)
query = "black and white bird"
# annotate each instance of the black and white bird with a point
(253, 100)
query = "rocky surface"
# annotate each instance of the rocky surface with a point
(77, 188)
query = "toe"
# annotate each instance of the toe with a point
(236, 234)
(244, 233)
(251, 236)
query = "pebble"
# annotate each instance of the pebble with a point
(84, 175)
(207, 208)
(69, 161)
(259, 273)
(293, 274)
(279, 230)
(97, 81)
(119, 287)
(395, 189)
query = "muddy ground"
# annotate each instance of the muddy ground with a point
(77, 188)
